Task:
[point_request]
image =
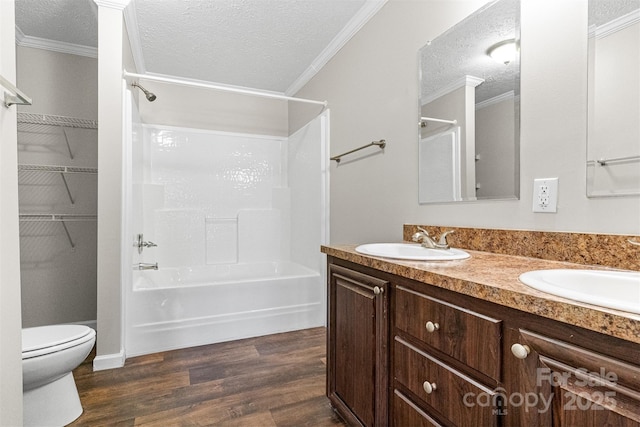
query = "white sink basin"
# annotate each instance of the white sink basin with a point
(411, 251)
(619, 290)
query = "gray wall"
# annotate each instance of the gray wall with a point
(372, 89)
(214, 110)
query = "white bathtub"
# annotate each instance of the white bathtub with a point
(183, 307)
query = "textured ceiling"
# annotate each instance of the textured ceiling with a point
(603, 11)
(262, 44)
(462, 50)
(66, 21)
(251, 43)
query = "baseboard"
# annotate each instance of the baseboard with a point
(109, 361)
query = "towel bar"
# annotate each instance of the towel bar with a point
(382, 143)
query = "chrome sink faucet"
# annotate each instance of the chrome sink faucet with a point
(427, 241)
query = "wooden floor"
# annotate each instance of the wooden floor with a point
(277, 380)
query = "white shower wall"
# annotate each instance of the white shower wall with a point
(238, 220)
(213, 197)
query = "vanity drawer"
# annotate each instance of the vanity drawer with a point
(455, 396)
(406, 413)
(472, 338)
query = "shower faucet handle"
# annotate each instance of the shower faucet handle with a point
(141, 244)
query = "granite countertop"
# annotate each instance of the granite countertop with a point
(494, 278)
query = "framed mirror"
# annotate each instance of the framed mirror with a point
(469, 108)
(613, 136)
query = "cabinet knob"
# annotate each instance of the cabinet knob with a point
(428, 387)
(431, 327)
(520, 351)
(378, 290)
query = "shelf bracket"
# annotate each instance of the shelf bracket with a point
(66, 185)
(66, 139)
(66, 230)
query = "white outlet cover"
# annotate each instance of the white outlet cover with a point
(545, 195)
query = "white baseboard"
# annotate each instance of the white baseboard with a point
(109, 361)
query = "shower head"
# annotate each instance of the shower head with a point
(149, 95)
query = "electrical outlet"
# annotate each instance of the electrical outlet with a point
(545, 195)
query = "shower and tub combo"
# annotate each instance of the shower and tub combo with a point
(226, 230)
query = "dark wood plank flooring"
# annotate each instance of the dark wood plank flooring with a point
(276, 380)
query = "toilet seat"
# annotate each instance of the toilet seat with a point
(43, 340)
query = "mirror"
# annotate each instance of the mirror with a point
(613, 136)
(469, 108)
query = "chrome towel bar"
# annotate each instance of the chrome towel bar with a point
(382, 143)
(605, 162)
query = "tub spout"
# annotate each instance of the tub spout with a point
(146, 266)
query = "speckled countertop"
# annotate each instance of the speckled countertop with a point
(494, 278)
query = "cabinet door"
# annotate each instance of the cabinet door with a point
(560, 384)
(357, 346)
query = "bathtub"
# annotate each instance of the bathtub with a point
(183, 307)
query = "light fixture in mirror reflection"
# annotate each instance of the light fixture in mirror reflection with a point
(503, 52)
(469, 109)
(613, 137)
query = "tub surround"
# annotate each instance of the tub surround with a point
(493, 277)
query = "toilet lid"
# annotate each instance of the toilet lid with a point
(44, 339)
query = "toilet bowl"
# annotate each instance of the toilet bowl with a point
(49, 354)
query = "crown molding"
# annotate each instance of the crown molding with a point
(470, 81)
(370, 8)
(615, 25)
(131, 24)
(54, 46)
(496, 99)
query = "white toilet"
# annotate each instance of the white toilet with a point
(49, 354)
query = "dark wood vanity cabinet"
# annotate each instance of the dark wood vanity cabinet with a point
(554, 383)
(446, 359)
(418, 355)
(357, 350)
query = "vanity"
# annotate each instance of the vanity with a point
(463, 342)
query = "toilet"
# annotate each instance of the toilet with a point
(49, 354)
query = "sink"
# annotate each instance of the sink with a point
(411, 251)
(619, 290)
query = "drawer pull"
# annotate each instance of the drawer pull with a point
(428, 387)
(378, 290)
(431, 327)
(520, 351)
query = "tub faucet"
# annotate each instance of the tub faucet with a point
(427, 241)
(146, 266)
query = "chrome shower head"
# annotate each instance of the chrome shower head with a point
(149, 95)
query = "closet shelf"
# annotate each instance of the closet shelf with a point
(62, 219)
(52, 120)
(41, 125)
(56, 217)
(62, 170)
(58, 169)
